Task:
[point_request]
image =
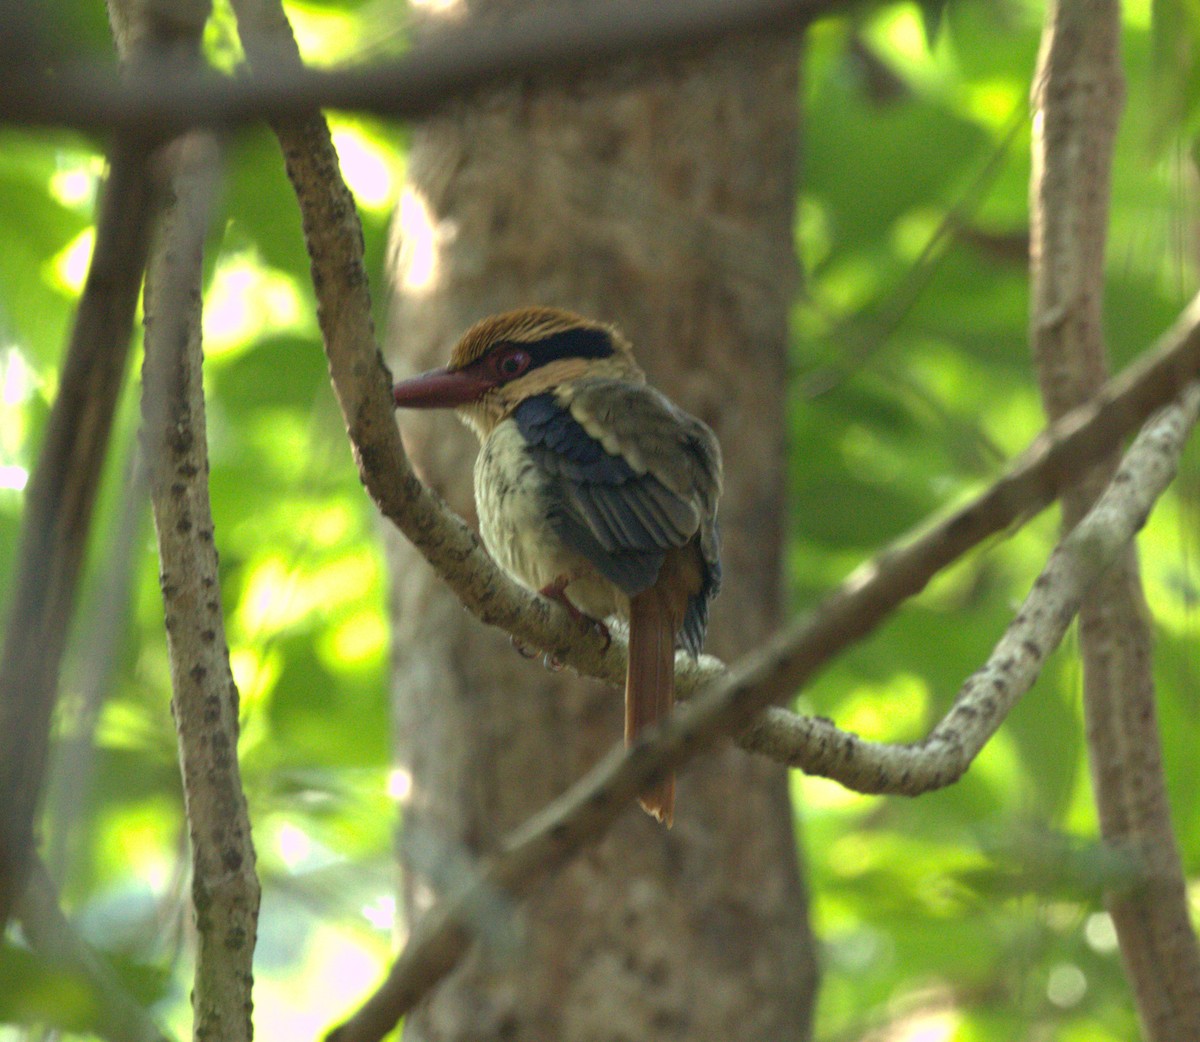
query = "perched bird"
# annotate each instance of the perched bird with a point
(592, 488)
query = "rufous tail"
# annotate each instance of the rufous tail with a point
(650, 683)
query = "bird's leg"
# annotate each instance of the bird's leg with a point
(556, 591)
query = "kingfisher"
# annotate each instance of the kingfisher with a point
(592, 488)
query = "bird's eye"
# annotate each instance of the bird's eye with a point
(508, 365)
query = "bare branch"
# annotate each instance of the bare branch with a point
(588, 808)
(1077, 96)
(990, 693)
(50, 934)
(362, 382)
(558, 42)
(225, 888)
(59, 503)
(1053, 462)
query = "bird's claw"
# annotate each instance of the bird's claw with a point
(551, 661)
(523, 649)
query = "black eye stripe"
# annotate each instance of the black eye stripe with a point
(582, 342)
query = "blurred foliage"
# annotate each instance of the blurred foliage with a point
(973, 913)
(969, 914)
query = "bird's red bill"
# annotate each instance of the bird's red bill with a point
(441, 389)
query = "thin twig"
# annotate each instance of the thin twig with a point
(587, 809)
(225, 888)
(557, 42)
(59, 502)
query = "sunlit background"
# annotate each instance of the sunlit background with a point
(970, 914)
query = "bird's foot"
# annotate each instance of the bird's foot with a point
(552, 662)
(556, 591)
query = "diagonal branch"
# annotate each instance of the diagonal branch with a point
(59, 503)
(771, 674)
(989, 694)
(1053, 462)
(105, 622)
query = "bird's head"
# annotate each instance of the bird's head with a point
(507, 358)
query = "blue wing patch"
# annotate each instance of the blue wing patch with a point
(695, 619)
(545, 423)
(621, 521)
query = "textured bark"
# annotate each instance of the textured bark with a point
(204, 703)
(1077, 97)
(664, 205)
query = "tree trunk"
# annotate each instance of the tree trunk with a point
(662, 203)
